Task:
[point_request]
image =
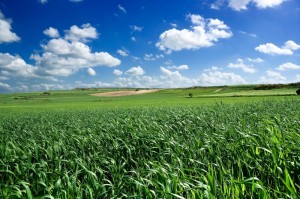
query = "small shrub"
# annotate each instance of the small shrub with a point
(191, 95)
(46, 93)
(298, 91)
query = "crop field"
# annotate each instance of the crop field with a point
(159, 145)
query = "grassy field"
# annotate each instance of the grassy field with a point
(77, 99)
(222, 143)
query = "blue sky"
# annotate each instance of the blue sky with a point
(64, 44)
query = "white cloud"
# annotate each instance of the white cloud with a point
(117, 72)
(82, 34)
(217, 77)
(174, 79)
(291, 45)
(272, 77)
(15, 66)
(242, 4)
(122, 8)
(122, 53)
(288, 66)
(167, 79)
(268, 3)
(169, 72)
(239, 4)
(44, 86)
(287, 49)
(213, 68)
(204, 33)
(63, 57)
(181, 67)
(217, 4)
(151, 57)
(133, 39)
(196, 19)
(4, 86)
(51, 32)
(257, 60)
(241, 65)
(136, 28)
(6, 34)
(91, 72)
(135, 71)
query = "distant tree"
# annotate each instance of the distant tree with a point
(46, 93)
(298, 91)
(191, 95)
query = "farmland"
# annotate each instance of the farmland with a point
(221, 143)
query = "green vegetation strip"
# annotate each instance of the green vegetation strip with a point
(245, 150)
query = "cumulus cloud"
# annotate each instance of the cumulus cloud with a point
(168, 78)
(291, 45)
(287, 49)
(288, 66)
(135, 71)
(91, 72)
(268, 3)
(216, 77)
(15, 66)
(181, 67)
(203, 33)
(239, 5)
(51, 32)
(221, 78)
(151, 57)
(61, 56)
(174, 79)
(170, 73)
(122, 53)
(6, 34)
(117, 72)
(241, 65)
(272, 77)
(122, 8)
(65, 56)
(83, 33)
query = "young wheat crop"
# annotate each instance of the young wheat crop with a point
(222, 151)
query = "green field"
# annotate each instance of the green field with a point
(224, 142)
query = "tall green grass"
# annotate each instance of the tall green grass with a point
(249, 150)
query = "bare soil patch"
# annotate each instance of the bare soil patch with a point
(124, 93)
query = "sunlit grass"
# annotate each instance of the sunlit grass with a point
(249, 150)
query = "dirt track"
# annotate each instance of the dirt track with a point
(124, 93)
